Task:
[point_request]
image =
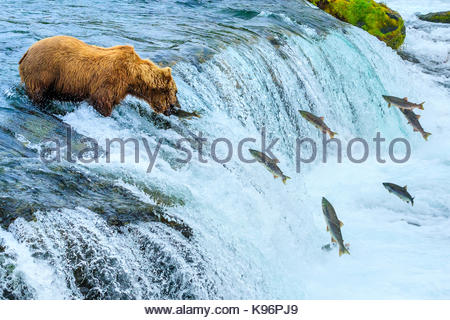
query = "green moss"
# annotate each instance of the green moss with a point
(10, 268)
(440, 17)
(375, 18)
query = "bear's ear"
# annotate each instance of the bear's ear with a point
(167, 72)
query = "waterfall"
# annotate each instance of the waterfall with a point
(249, 235)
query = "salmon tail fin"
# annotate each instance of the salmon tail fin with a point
(343, 250)
(285, 178)
(23, 57)
(412, 201)
(332, 134)
(426, 135)
(421, 105)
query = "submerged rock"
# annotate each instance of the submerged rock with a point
(375, 18)
(440, 17)
(28, 186)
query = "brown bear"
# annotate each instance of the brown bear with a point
(67, 69)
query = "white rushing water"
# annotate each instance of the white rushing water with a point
(254, 236)
(428, 42)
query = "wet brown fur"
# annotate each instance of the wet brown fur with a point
(65, 68)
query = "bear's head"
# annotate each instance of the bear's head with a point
(158, 88)
(171, 100)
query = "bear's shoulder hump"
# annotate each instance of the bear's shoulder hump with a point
(125, 48)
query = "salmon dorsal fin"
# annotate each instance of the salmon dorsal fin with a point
(321, 118)
(418, 116)
(274, 160)
(405, 187)
(405, 98)
(341, 224)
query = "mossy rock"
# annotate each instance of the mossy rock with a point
(440, 17)
(375, 18)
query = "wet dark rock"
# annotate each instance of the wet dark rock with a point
(407, 56)
(438, 17)
(28, 127)
(29, 186)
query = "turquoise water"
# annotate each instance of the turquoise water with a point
(208, 230)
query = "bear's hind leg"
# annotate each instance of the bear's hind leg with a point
(38, 97)
(38, 88)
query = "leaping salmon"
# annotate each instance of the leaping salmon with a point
(185, 114)
(402, 103)
(413, 120)
(334, 226)
(401, 192)
(317, 122)
(270, 164)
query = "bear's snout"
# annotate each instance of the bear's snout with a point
(176, 104)
(172, 108)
